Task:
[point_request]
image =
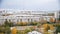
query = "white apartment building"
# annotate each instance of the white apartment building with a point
(26, 16)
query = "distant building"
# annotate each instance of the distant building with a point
(27, 16)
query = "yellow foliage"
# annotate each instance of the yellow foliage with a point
(51, 19)
(14, 31)
(22, 23)
(45, 26)
(51, 27)
(2, 33)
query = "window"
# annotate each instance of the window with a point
(20, 20)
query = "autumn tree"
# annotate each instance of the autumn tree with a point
(14, 31)
(52, 19)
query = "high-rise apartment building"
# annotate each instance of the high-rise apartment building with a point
(27, 16)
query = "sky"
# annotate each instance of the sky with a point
(45, 5)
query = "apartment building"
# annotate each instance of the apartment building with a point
(26, 16)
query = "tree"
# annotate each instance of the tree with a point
(7, 30)
(45, 26)
(14, 31)
(10, 23)
(51, 19)
(6, 23)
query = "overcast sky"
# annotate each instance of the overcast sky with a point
(48, 5)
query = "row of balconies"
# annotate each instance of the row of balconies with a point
(24, 19)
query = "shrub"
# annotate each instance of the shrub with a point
(5, 30)
(33, 23)
(27, 30)
(18, 32)
(22, 23)
(2, 29)
(58, 28)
